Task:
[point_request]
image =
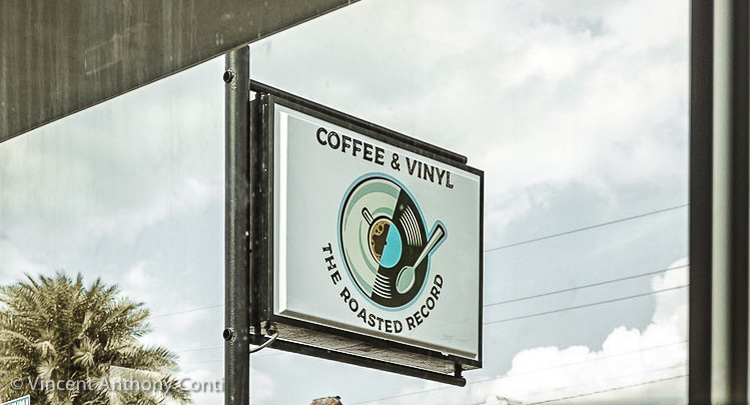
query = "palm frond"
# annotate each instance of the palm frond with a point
(57, 328)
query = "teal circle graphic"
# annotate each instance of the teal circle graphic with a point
(383, 241)
(392, 249)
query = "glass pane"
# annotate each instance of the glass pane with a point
(131, 193)
(577, 112)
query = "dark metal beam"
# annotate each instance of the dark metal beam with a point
(719, 183)
(737, 205)
(701, 202)
(59, 57)
(237, 229)
(360, 361)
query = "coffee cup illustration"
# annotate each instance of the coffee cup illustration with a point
(384, 241)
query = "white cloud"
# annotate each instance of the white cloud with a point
(186, 195)
(137, 277)
(32, 245)
(112, 170)
(263, 387)
(14, 264)
(650, 362)
(538, 94)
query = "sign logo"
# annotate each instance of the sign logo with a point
(383, 238)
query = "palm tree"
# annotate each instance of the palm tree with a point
(55, 329)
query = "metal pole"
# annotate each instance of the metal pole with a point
(237, 229)
(731, 171)
(729, 349)
(701, 201)
(719, 120)
(739, 203)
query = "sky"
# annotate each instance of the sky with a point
(576, 111)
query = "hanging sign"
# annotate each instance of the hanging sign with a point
(373, 235)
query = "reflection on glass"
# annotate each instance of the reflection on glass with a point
(577, 113)
(111, 249)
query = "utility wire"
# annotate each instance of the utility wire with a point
(615, 378)
(651, 273)
(187, 310)
(491, 379)
(499, 321)
(586, 305)
(586, 228)
(522, 298)
(277, 353)
(486, 305)
(612, 356)
(612, 389)
(603, 224)
(199, 348)
(624, 387)
(203, 362)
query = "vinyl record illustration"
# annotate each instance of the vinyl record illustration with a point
(384, 242)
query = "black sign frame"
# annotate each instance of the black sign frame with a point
(310, 338)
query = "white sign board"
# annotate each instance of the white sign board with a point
(26, 400)
(373, 238)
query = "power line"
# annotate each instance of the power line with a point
(651, 273)
(593, 360)
(586, 228)
(587, 305)
(278, 353)
(491, 379)
(199, 348)
(517, 299)
(257, 356)
(624, 387)
(187, 310)
(609, 389)
(203, 362)
(617, 378)
(407, 394)
(487, 305)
